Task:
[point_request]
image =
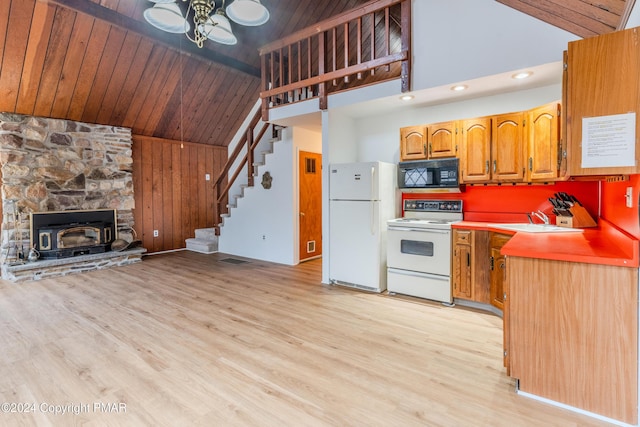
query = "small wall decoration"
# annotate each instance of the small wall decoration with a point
(266, 180)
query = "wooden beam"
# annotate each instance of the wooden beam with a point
(146, 30)
(624, 18)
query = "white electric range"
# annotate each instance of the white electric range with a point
(419, 249)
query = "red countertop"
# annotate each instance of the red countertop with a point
(604, 244)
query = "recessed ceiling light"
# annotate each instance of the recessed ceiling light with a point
(522, 75)
(406, 97)
(458, 88)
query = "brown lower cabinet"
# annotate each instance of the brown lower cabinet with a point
(573, 334)
(470, 278)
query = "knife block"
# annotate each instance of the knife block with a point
(580, 218)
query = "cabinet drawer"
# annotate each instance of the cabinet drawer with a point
(462, 237)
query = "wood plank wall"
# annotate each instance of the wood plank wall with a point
(171, 193)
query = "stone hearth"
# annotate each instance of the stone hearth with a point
(53, 165)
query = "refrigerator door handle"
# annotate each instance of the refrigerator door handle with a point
(373, 174)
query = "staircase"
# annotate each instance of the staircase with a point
(264, 148)
(205, 242)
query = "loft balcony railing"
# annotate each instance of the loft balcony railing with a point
(366, 45)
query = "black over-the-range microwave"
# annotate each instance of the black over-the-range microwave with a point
(420, 175)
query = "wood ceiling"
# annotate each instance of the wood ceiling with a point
(59, 60)
(584, 18)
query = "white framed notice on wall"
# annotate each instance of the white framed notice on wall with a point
(609, 141)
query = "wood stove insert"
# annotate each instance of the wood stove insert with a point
(72, 233)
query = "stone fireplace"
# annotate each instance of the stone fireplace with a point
(52, 171)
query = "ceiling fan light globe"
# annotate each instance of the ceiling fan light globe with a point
(167, 17)
(218, 29)
(248, 12)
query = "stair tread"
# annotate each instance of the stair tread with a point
(200, 240)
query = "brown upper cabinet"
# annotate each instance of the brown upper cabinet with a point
(602, 80)
(514, 147)
(442, 140)
(413, 143)
(475, 152)
(508, 148)
(434, 141)
(544, 142)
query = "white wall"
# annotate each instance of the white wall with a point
(459, 40)
(265, 223)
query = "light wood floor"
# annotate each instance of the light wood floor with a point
(185, 339)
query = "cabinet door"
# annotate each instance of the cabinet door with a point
(413, 143)
(507, 148)
(602, 80)
(544, 136)
(442, 140)
(497, 275)
(476, 150)
(498, 272)
(462, 271)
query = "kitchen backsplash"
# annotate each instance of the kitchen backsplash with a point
(511, 203)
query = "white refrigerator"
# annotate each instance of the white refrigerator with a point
(362, 197)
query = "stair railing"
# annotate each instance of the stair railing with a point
(224, 182)
(371, 37)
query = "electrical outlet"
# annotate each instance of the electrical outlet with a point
(628, 196)
(264, 237)
(155, 233)
(207, 177)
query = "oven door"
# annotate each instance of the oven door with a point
(419, 249)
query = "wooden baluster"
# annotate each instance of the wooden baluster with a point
(273, 74)
(309, 63)
(281, 74)
(322, 91)
(346, 49)
(387, 35)
(334, 51)
(373, 40)
(359, 46)
(250, 167)
(265, 86)
(299, 65)
(290, 73)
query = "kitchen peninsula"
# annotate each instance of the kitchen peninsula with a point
(571, 317)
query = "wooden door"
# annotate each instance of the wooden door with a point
(442, 140)
(413, 143)
(507, 148)
(476, 150)
(543, 136)
(310, 172)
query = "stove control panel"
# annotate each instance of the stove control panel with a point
(433, 205)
